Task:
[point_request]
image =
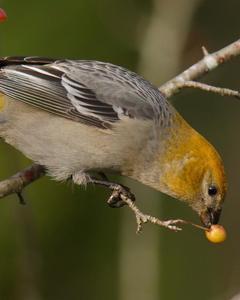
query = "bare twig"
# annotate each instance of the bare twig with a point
(205, 51)
(208, 88)
(208, 63)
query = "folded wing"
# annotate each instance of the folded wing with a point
(94, 93)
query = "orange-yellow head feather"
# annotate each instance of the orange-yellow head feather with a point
(193, 171)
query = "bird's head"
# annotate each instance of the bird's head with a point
(193, 172)
(209, 198)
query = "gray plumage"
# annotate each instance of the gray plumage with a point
(79, 116)
(91, 92)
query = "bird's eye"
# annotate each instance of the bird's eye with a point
(212, 190)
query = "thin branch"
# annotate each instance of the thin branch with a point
(205, 51)
(207, 88)
(17, 182)
(202, 67)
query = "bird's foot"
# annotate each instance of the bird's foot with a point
(169, 224)
(142, 218)
(121, 196)
(119, 191)
(172, 224)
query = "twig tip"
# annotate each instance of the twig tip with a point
(205, 51)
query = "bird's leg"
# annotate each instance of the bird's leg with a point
(120, 196)
(117, 189)
(115, 200)
(142, 218)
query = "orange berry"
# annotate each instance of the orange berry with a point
(3, 15)
(216, 234)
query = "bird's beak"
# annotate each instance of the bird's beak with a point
(210, 216)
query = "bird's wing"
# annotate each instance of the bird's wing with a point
(90, 92)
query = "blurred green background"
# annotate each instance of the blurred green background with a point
(66, 243)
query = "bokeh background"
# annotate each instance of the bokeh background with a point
(66, 243)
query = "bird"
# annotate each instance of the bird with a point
(80, 119)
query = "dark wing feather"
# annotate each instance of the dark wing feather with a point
(93, 93)
(31, 60)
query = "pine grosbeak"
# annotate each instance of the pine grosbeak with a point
(77, 117)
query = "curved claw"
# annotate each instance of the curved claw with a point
(115, 200)
(170, 224)
(174, 228)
